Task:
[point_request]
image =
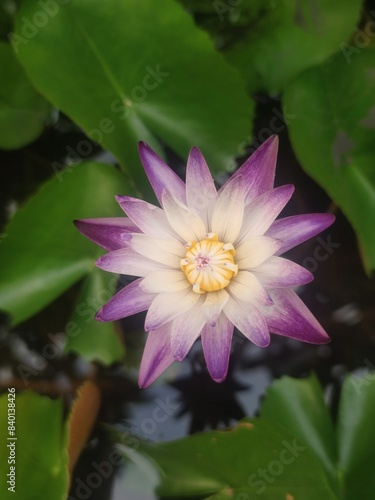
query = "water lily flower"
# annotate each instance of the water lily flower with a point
(208, 261)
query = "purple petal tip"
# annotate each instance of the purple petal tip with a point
(99, 315)
(98, 262)
(78, 223)
(220, 380)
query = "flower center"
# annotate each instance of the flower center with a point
(209, 264)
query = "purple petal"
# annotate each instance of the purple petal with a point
(201, 193)
(130, 300)
(186, 328)
(147, 217)
(294, 230)
(258, 171)
(157, 355)
(216, 343)
(290, 317)
(161, 177)
(108, 233)
(277, 272)
(249, 321)
(260, 213)
(126, 261)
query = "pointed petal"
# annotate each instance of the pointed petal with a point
(108, 233)
(161, 177)
(251, 253)
(157, 356)
(290, 317)
(229, 209)
(213, 305)
(249, 321)
(246, 287)
(167, 306)
(149, 218)
(259, 170)
(216, 343)
(166, 251)
(167, 281)
(260, 213)
(186, 224)
(130, 300)
(186, 328)
(277, 272)
(294, 230)
(201, 193)
(126, 261)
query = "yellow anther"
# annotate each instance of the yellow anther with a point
(209, 264)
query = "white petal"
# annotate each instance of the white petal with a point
(166, 251)
(186, 328)
(149, 218)
(249, 321)
(253, 252)
(201, 193)
(213, 305)
(167, 306)
(228, 212)
(167, 281)
(245, 286)
(187, 224)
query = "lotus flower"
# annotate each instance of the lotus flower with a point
(208, 261)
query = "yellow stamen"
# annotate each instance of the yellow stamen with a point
(209, 264)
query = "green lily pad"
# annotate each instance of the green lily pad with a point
(43, 253)
(94, 340)
(39, 451)
(127, 71)
(23, 111)
(346, 452)
(257, 458)
(333, 136)
(280, 39)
